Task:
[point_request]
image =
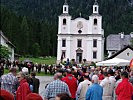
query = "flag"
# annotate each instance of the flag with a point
(131, 64)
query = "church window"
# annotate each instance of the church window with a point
(65, 8)
(64, 21)
(94, 55)
(64, 43)
(95, 21)
(94, 42)
(95, 8)
(79, 43)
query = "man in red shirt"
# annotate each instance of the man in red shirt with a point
(124, 90)
(71, 81)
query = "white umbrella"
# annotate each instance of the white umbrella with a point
(114, 62)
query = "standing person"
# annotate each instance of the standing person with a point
(71, 81)
(1, 69)
(36, 82)
(39, 67)
(83, 86)
(112, 80)
(23, 89)
(95, 91)
(124, 90)
(29, 67)
(56, 87)
(9, 81)
(101, 76)
(107, 87)
(131, 77)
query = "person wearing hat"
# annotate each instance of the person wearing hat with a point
(9, 81)
(5, 95)
(95, 91)
(33, 96)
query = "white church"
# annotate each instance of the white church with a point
(80, 38)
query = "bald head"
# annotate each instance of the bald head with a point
(58, 75)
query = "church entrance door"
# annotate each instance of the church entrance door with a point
(79, 57)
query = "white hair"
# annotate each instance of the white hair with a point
(95, 78)
(24, 69)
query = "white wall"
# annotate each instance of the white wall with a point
(124, 54)
(89, 32)
(3, 42)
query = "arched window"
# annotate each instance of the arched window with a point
(95, 21)
(65, 9)
(64, 21)
(95, 8)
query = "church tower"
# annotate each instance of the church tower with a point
(95, 8)
(64, 20)
(95, 20)
(80, 39)
(65, 8)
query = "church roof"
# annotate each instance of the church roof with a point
(120, 51)
(95, 14)
(95, 2)
(115, 42)
(5, 38)
(65, 14)
(65, 2)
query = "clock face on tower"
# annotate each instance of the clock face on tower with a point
(79, 25)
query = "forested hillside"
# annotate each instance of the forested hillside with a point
(32, 24)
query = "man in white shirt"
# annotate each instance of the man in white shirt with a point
(107, 86)
(82, 88)
(113, 80)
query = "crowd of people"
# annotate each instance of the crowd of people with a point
(38, 67)
(71, 82)
(20, 86)
(101, 83)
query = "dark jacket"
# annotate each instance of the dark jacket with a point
(36, 84)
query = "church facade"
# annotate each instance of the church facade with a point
(80, 39)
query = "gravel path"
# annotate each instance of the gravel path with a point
(43, 81)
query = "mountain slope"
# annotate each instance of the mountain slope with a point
(41, 20)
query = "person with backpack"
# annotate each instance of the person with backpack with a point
(36, 82)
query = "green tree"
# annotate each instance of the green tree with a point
(24, 39)
(35, 50)
(4, 52)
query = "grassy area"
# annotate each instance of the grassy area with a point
(51, 60)
(38, 74)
